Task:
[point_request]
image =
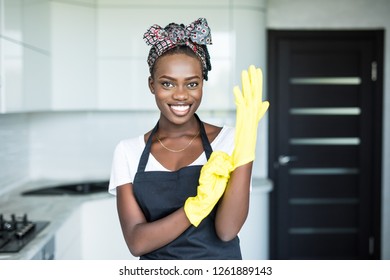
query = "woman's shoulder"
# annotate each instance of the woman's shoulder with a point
(212, 131)
(131, 144)
(221, 138)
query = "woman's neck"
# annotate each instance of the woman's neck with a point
(168, 129)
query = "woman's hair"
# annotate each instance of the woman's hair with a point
(179, 49)
(177, 38)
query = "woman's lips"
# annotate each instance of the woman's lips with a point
(180, 110)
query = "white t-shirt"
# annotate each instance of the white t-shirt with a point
(128, 153)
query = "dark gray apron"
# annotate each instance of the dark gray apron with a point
(159, 193)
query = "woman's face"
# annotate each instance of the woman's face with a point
(177, 85)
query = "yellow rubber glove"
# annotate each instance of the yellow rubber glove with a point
(213, 179)
(249, 110)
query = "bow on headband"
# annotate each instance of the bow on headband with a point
(163, 39)
(195, 35)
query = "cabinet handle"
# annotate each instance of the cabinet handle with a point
(283, 160)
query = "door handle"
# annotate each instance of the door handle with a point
(284, 159)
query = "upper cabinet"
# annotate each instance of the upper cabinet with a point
(90, 54)
(47, 55)
(73, 55)
(24, 56)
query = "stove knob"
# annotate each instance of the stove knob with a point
(13, 221)
(25, 220)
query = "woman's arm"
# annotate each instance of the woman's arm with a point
(142, 237)
(234, 205)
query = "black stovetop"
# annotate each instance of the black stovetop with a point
(16, 232)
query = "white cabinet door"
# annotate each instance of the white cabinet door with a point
(101, 234)
(67, 238)
(92, 232)
(11, 76)
(48, 59)
(73, 56)
(11, 56)
(24, 55)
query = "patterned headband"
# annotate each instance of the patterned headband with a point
(195, 35)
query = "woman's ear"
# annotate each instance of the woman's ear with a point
(151, 84)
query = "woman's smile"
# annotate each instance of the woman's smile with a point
(180, 110)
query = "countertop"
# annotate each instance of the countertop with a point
(53, 208)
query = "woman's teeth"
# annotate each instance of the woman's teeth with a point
(180, 108)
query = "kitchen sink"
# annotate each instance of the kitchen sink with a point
(81, 188)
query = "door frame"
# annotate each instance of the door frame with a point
(273, 37)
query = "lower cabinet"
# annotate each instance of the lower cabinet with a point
(68, 238)
(101, 235)
(254, 235)
(47, 252)
(92, 232)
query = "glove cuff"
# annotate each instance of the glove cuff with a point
(195, 217)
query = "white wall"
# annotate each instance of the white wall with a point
(80, 145)
(14, 150)
(346, 14)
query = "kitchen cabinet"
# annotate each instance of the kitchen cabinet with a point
(24, 56)
(67, 238)
(254, 235)
(101, 234)
(73, 55)
(47, 251)
(47, 60)
(92, 232)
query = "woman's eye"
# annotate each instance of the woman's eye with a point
(193, 85)
(167, 84)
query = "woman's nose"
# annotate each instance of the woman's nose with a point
(180, 93)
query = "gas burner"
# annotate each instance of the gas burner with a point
(17, 232)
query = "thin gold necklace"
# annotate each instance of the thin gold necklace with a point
(180, 150)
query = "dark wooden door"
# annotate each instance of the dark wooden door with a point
(325, 90)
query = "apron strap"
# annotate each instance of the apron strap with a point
(205, 140)
(145, 154)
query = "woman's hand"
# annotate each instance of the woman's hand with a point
(250, 110)
(212, 184)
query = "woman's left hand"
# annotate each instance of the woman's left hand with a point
(249, 110)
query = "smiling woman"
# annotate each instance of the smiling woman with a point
(177, 84)
(180, 195)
